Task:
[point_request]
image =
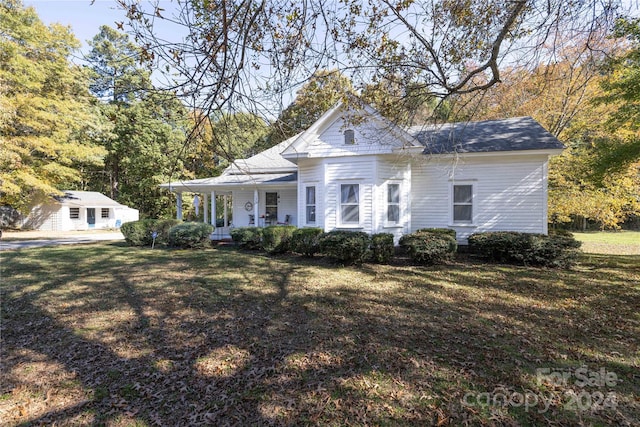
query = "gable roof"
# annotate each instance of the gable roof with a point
(299, 145)
(514, 134)
(86, 199)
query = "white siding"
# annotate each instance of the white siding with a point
(369, 139)
(360, 171)
(392, 170)
(287, 202)
(509, 193)
(311, 173)
(240, 215)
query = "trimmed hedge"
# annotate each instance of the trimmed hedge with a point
(446, 231)
(348, 247)
(276, 239)
(139, 233)
(247, 237)
(305, 241)
(429, 246)
(525, 248)
(190, 235)
(382, 248)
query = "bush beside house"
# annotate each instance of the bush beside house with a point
(430, 246)
(190, 235)
(525, 248)
(306, 241)
(140, 233)
(247, 237)
(349, 247)
(276, 239)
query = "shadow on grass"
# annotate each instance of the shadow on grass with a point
(224, 337)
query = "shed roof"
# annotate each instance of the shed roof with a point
(514, 134)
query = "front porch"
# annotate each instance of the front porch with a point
(242, 207)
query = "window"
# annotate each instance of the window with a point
(311, 204)
(350, 204)
(105, 213)
(349, 137)
(74, 213)
(462, 203)
(393, 203)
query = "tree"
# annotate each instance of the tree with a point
(46, 113)
(621, 91)
(440, 47)
(146, 145)
(323, 90)
(215, 143)
(120, 72)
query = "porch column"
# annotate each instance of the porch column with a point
(179, 206)
(256, 216)
(226, 214)
(205, 207)
(213, 208)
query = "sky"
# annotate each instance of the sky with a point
(83, 17)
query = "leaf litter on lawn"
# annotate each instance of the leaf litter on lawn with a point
(112, 335)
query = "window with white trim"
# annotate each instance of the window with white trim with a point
(393, 203)
(350, 204)
(74, 213)
(463, 203)
(310, 203)
(104, 213)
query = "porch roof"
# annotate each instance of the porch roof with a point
(227, 181)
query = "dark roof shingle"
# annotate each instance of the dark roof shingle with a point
(515, 134)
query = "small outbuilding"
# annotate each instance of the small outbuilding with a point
(79, 210)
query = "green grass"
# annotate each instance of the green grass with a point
(106, 334)
(610, 242)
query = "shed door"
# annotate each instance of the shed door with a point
(91, 217)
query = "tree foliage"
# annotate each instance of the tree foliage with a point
(621, 91)
(253, 53)
(146, 145)
(46, 113)
(323, 90)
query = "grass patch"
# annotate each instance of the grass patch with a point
(114, 335)
(610, 242)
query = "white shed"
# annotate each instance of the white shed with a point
(79, 210)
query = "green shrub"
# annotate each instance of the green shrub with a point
(382, 248)
(276, 239)
(447, 231)
(305, 241)
(247, 237)
(525, 248)
(162, 227)
(140, 233)
(190, 235)
(429, 247)
(345, 246)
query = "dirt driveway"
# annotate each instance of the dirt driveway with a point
(13, 240)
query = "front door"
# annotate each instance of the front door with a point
(271, 208)
(91, 217)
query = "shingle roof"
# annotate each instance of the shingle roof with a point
(514, 134)
(85, 199)
(237, 180)
(267, 161)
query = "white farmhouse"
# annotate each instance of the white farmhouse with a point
(79, 210)
(354, 170)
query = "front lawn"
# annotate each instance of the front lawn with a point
(610, 242)
(107, 334)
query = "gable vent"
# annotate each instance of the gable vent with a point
(349, 137)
